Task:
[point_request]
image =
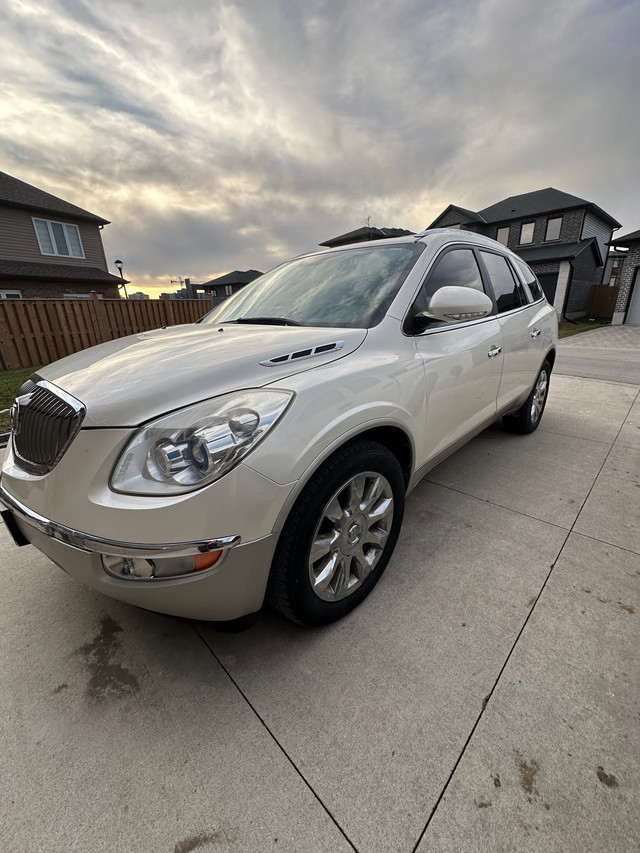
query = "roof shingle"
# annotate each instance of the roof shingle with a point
(55, 272)
(16, 193)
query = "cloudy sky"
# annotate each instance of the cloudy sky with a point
(231, 135)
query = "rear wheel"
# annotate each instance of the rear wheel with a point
(339, 536)
(527, 419)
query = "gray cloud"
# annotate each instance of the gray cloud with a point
(222, 134)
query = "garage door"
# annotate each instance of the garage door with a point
(548, 282)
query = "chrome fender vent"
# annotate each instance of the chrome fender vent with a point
(303, 353)
(44, 422)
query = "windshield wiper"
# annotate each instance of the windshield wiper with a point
(269, 321)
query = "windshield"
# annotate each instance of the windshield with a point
(352, 288)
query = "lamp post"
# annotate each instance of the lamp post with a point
(119, 264)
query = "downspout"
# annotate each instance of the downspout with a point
(563, 316)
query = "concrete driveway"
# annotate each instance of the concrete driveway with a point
(484, 698)
(611, 352)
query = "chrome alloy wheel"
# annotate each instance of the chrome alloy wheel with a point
(539, 395)
(351, 535)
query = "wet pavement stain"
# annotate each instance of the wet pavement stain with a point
(528, 771)
(60, 688)
(482, 804)
(607, 779)
(107, 678)
(193, 842)
(626, 607)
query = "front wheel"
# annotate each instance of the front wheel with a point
(527, 418)
(339, 536)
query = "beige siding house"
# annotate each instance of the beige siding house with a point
(49, 248)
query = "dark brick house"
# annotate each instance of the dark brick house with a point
(49, 248)
(627, 308)
(226, 285)
(364, 234)
(565, 240)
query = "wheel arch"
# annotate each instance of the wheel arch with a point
(396, 439)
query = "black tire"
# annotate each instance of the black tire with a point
(298, 587)
(528, 417)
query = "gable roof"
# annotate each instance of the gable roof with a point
(538, 203)
(627, 239)
(55, 272)
(235, 277)
(561, 252)
(467, 215)
(367, 232)
(16, 193)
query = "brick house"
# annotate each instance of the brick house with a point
(50, 248)
(627, 308)
(226, 285)
(563, 238)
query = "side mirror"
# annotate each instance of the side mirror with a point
(455, 305)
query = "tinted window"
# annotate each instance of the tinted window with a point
(505, 287)
(526, 233)
(350, 288)
(503, 235)
(457, 268)
(531, 281)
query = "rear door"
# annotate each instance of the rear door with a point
(521, 327)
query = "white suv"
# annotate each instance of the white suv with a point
(268, 448)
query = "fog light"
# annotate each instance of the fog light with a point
(138, 568)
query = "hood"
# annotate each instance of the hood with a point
(128, 381)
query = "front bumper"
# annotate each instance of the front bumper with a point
(232, 588)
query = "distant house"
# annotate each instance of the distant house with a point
(362, 235)
(226, 285)
(628, 303)
(563, 238)
(49, 247)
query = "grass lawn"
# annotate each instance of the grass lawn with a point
(583, 324)
(10, 381)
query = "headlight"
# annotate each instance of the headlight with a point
(197, 445)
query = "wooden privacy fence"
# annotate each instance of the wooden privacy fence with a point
(602, 300)
(39, 331)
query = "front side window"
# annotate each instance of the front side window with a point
(58, 238)
(351, 288)
(526, 232)
(503, 235)
(553, 228)
(505, 287)
(458, 268)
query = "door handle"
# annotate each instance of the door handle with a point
(535, 333)
(494, 351)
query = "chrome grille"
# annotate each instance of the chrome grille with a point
(44, 422)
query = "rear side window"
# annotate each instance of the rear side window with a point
(458, 268)
(507, 290)
(530, 280)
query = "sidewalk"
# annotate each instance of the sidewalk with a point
(484, 698)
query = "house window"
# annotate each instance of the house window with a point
(503, 235)
(82, 296)
(10, 294)
(228, 289)
(526, 232)
(553, 228)
(58, 238)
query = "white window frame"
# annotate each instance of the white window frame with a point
(79, 295)
(522, 227)
(10, 294)
(548, 239)
(503, 242)
(67, 227)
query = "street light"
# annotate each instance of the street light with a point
(119, 264)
